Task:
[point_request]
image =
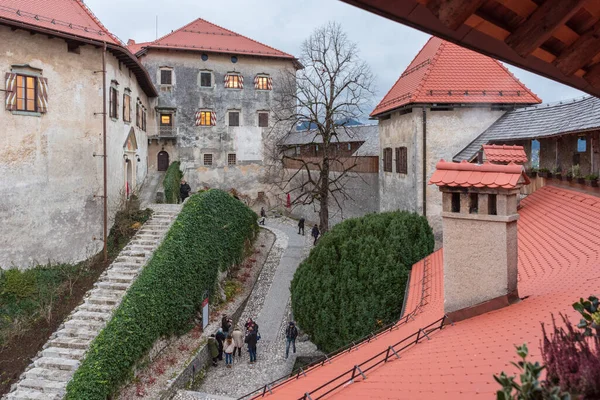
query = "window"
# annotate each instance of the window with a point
(401, 160)
(263, 83)
(208, 159)
(114, 103)
(581, 145)
(492, 208)
(26, 93)
(166, 77)
(316, 149)
(473, 203)
(387, 159)
(166, 120)
(535, 153)
(126, 107)
(234, 118)
(138, 115)
(231, 159)
(233, 81)
(205, 79)
(297, 150)
(204, 118)
(263, 119)
(143, 118)
(349, 146)
(455, 202)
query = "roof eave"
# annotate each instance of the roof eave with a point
(449, 104)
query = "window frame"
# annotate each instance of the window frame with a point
(210, 78)
(387, 159)
(25, 89)
(207, 159)
(266, 113)
(113, 104)
(229, 114)
(260, 80)
(203, 117)
(126, 107)
(230, 158)
(401, 154)
(170, 71)
(237, 80)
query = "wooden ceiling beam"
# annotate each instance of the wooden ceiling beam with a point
(453, 13)
(593, 75)
(541, 23)
(581, 52)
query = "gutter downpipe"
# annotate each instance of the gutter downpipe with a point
(105, 156)
(424, 161)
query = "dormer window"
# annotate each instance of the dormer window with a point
(263, 82)
(234, 81)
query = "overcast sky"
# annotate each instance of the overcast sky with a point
(387, 46)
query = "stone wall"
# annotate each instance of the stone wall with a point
(51, 181)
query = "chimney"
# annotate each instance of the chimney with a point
(130, 42)
(480, 235)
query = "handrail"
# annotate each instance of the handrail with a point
(262, 391)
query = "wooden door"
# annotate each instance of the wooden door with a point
(163, 161)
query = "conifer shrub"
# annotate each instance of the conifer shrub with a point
(210, 234)
(171, 183)
(353, 281)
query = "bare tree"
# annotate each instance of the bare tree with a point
(334, 87)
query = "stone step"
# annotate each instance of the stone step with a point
(119, 277)
(70, 343)
(48, 374)
(112, 301)
(89, 325)
(56, 363)
(152, 232)
(148, 236)
(94, 307)
(76, 333)
(144, 242)
(92, 315)
(62, 352)
(106, 293)
(133, 250)
(112, 285)
(24, 394)
(129, 260)
(44, 386)
(125, 266)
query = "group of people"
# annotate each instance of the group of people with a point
(315, 232)
(229, 341)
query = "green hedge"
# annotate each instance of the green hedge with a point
(171, 183)
(209, 235)
(354, 279)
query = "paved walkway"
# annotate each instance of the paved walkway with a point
(269, 307)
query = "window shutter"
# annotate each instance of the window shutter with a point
(241, 81)
(213, 118)
(256, 82)
(270, 83)
(226, 80)
(42, 94)
(11, 91)
(198, 116)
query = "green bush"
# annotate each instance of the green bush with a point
(171, 183)
(210, 234)
(354, 279)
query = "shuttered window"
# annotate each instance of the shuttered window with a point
(401, 160)
(126, 107)
(263, 82)
(387, 159)
(113, 109)
(234, 81)
(263, 119)
(206, 118)
(26, 93)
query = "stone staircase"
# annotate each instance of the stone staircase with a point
(46, 378)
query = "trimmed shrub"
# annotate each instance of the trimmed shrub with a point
(210, 234)
(171, 183)
(354, 279)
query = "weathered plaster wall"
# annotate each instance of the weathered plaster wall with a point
(186, 96)
(49, 174)
(448, 132)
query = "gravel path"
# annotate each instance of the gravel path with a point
(269, 306)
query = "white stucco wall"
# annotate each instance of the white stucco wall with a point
(49, 175)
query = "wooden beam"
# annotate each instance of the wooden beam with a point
(593, 75)
(453, 13)
(581, 52)
(541, 23)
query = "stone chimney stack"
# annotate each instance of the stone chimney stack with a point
(480, 235)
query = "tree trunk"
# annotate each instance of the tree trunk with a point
(324, 197)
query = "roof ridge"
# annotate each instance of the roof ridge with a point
(175, 31)
(91, 14)
(515, 78)
(429, 69)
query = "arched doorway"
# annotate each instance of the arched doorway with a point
(163, 161)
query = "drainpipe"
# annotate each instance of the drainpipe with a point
(105, 194)
(424, 161)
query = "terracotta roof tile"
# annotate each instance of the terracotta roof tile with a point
(559, 257)
(466, 174)
(443, 72)
(505, 154)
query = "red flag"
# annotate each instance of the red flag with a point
(289, 201)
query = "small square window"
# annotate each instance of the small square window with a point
(581, 145)
(234, 118)
(205, 79)
(205, 118)
(165, 119)
(231, 159)
(166, 77)
(263, 119)
(233, 82)
(208, 159)
(262, 83)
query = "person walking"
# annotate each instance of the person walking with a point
(315, 233)
(220, 336)
(263, 215)
(238, 338)
(251, 340)
(225, 324)
(184, 190)
(291, 333)
(213, 347)
(301, 226)
(229, 349)
(251, 323)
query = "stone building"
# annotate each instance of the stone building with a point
(52, 127)
(444, 99)
(216, 90)
(356, 150)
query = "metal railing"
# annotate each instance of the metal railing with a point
(262, 391)
(163, 131)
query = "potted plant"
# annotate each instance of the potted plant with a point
(564, 175)
(555, 173)
(576, 169)
(532, 172)
(591, 180)
(543, 172)
(569, 175)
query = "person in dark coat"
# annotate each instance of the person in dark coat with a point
(220, 336)
(226, 324)
(263, 216)
(301, 226)
(251, 340)
(315, 233)
(213, 348)
(291, 333)
(251, 323)
(184, 190)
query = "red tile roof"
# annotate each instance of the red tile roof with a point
(497, 153)
(559, 259)
(134, 47)
(465, 174)
(201, 35)
(67, 16)
(443, 72)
